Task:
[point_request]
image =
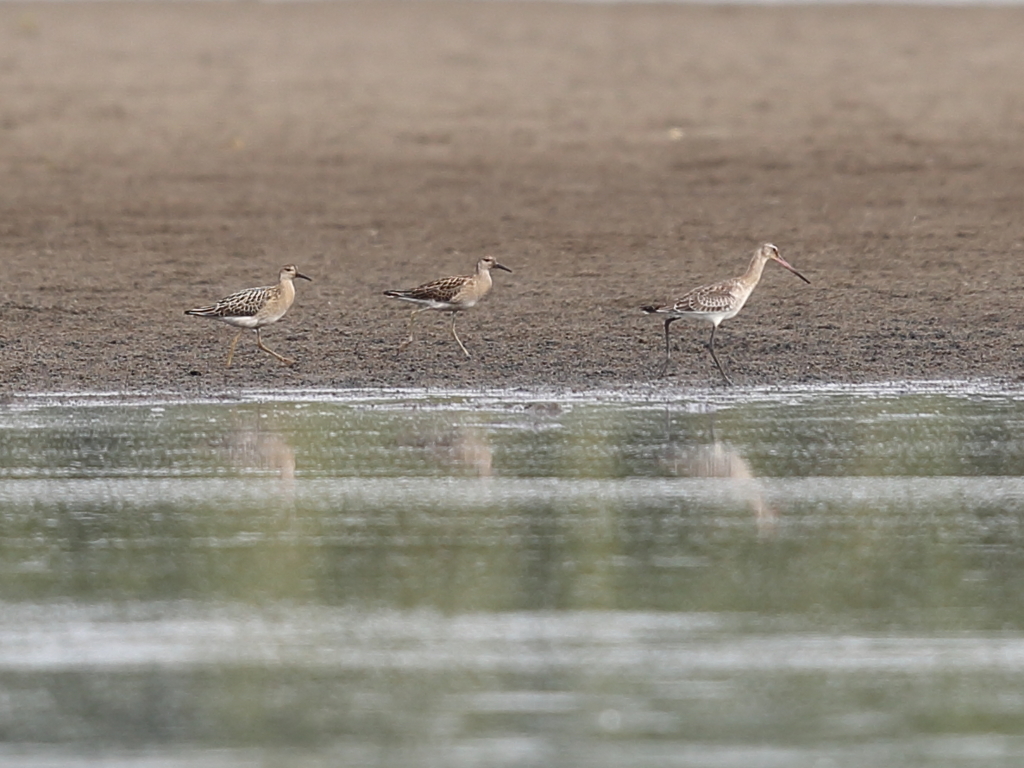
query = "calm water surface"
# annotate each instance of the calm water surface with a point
(756, 578)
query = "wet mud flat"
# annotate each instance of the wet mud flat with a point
(159, 156)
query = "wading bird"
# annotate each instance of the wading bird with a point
(449, 294)
(719, 301)
(255, 308)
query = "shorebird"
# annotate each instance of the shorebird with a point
(254, 308)
(719, 301)
(449, 294)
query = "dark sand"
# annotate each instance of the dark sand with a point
(156, 156)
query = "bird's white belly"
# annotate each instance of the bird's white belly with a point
(450, 305)
(247, 321)
(712, 317)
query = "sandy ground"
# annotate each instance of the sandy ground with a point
(157, 156)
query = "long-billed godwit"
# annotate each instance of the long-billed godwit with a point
(719, 301)
(449, 294)
(255, 308)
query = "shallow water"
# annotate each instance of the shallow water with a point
(826, 577)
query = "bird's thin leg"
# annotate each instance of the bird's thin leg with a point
(259, 343)
(664, 366)
(231, 352)
(456, 336)
(711, 349)
(412, 321)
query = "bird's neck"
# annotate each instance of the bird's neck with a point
(287, 289)
(751, 277)
(483, 277)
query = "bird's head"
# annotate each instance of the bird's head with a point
(290, 272)
(769, 251)
(489, 262)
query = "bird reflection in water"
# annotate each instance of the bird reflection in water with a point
(267, 451)
(720, 460)
(457, 446)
